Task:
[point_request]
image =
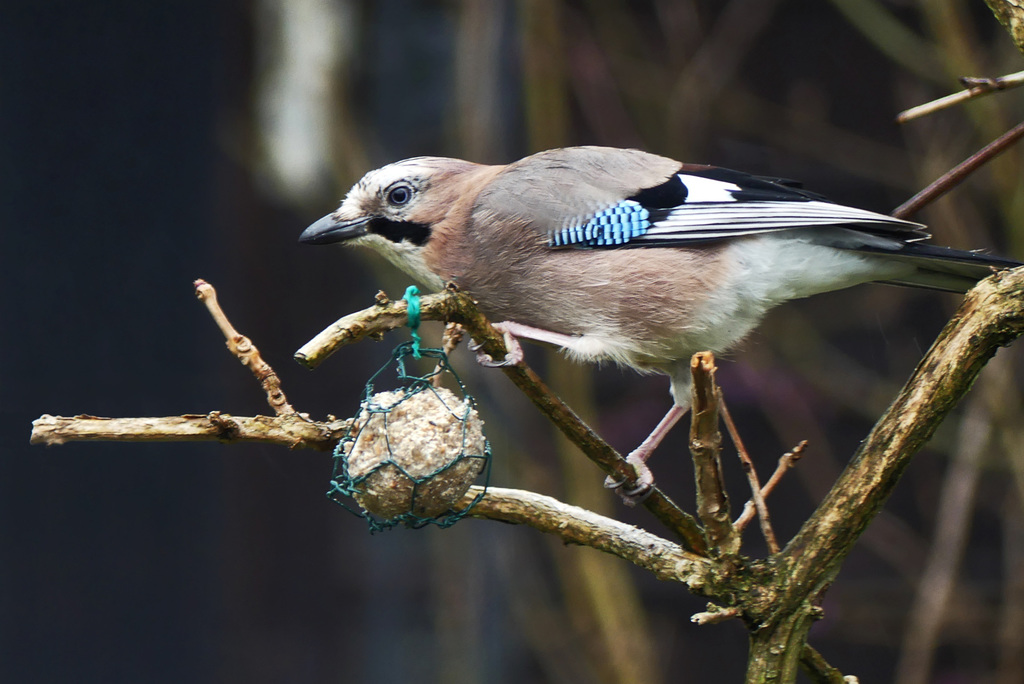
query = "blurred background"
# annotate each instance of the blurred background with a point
(143, 145)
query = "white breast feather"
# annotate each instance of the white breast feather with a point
(406, 256)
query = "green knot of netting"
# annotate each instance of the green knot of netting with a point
(411, 453)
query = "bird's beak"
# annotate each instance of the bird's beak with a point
(329, 229)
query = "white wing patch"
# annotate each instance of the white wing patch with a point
(707, 190)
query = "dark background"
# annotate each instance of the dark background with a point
(141, 147)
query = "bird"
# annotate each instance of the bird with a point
(624, 256)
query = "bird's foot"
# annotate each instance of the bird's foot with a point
(513, 356)
(640, 487)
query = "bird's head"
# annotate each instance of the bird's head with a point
(396, 209)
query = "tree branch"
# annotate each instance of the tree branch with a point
(706, 451)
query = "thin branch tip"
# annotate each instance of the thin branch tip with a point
(757, 493)
(715, 614)
(244, 349)
(974, 87)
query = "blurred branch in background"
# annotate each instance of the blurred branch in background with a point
(306, 47)
(975, 87)
(479, 117)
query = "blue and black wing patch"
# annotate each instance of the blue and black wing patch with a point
(702, 204)
(610, 227)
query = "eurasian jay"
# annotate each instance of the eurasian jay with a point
(620, 255)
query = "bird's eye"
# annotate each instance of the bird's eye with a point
(399, 195)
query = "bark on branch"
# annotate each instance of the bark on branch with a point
(706, 452)
(575, 525)
(292, 431)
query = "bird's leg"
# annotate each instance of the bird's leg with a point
(638, 459)
(512, 331)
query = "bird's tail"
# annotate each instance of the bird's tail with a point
(944, 268)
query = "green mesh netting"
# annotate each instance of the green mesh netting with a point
(413, 451)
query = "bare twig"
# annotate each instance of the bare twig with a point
(706, 449)
(714, 614)
(751, 472)
(786, 461)
(957, 174)
(457, 307)
(975, 87)
(242, 347)
(292, 431)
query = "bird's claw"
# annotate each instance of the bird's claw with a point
(512, 357)
(641, 486)
(486, 361)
